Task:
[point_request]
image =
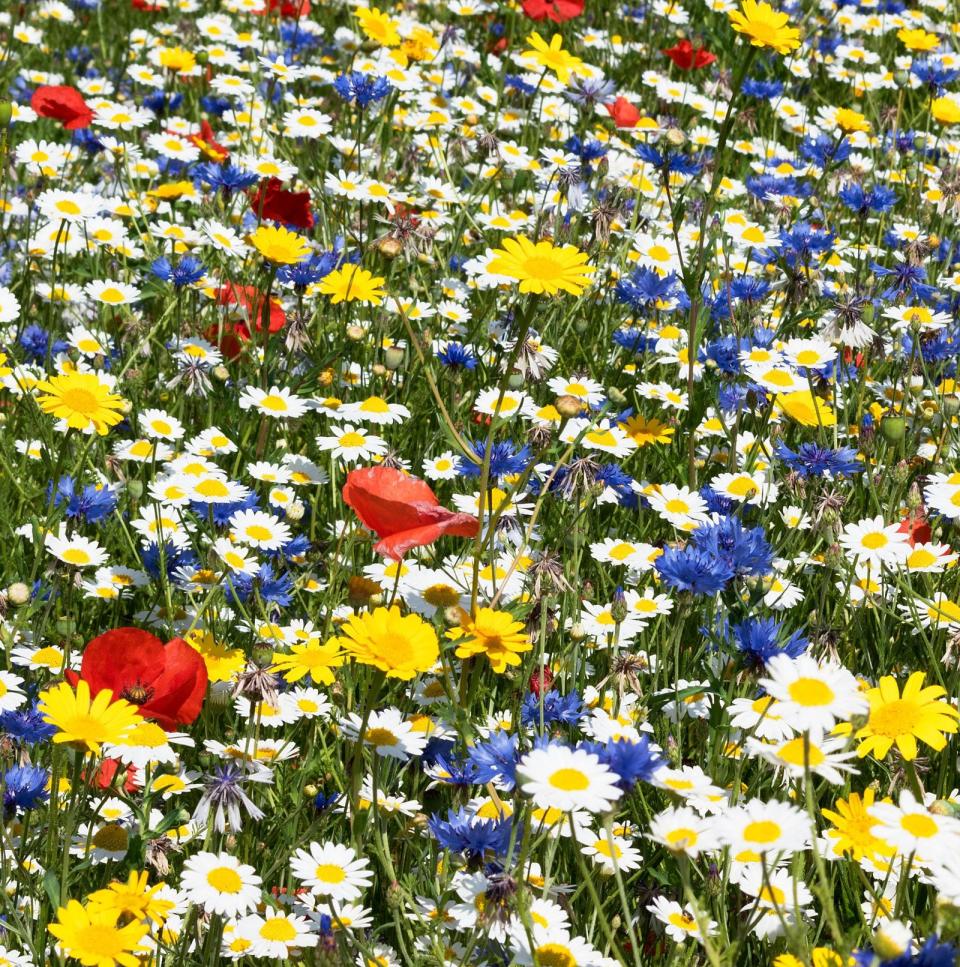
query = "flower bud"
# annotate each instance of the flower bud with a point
(950, 405)
(516, 381)
(355, 333)
(220, 373)
(893, 428)
(18, 593)
(393, 358)
(568, 406)
(6, 114)
(389, 247)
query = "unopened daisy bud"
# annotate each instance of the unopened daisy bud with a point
(18, 593)
(568, 406)
(393, 358)
(376, 600)
(230, 842)
(6, 114)
(355, 333)
(676, 137)
(326, 377)
(220, 373)
(310, 790)
(296, 510)
(578, 632)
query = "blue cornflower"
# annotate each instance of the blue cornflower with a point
(813, 460)
(748, 288)
(475, 838)
(667, 161)
(455, 355)
(322, 802)
(824, 150)
(566, 709)
(24, 787)
(724, 353)
(224, 511)
(187, 271)
(644, 288)
(586, 151)
(453, 771)
(91, 504)
(743, 550)
(586, 91)
(227, 178)
(635, 340)
(799, 242)
(765, 90)
(690, 569)
(504, 460)
(273, 590)
(495, 760)
(364, 89)
(173, 557)
(907, 279)
(26, 725)
(633, 762)
(861, 202)
(934, 74)
(35, 341)
(317, 267)
(517, 83)
(612, 477)
(759, 639)
(931, 954)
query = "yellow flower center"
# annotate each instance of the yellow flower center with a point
(224, 879)
(569, 780)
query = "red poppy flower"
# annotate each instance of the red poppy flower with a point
(402, 510)
(62, 103)
(556, 10)
(624, 114)
(687, 57)
(289, 10)
(107, 771)
(916, 528)
(250, 300)
(278, 204)
(167, 681)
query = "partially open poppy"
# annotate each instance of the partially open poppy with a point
(402, 510)
(62, 103)
(166, 681)
(272, 202)
(688, 58)
(624, 114)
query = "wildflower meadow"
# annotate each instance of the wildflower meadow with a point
(479, 483)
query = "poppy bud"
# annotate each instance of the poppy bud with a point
(868, 313)
(893, 428)
(950, 405)
(378, 369)
(220, 373)
(516, 381)
(202, 58)
(616, 396)
(6, 114)
(541, 680)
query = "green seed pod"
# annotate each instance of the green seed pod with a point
(893, 428)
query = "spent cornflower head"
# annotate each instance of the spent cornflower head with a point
(224, 801)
